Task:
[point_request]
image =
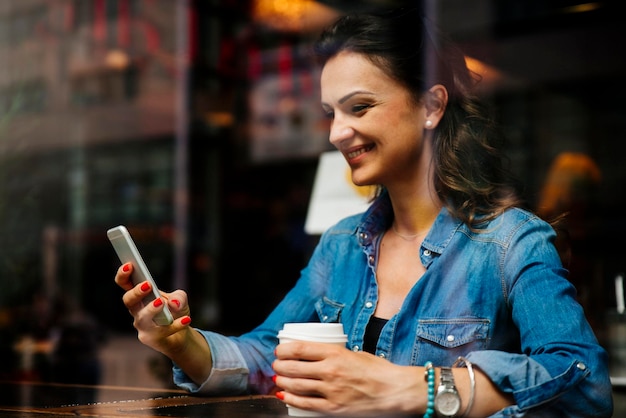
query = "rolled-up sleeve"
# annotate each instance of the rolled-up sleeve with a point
(533, 386)
(229, 373)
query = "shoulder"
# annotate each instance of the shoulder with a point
(512, 224)
(340, 238)
(517, 216)
(346, 226)
(520, 219)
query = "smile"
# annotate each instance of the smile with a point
(356, 153)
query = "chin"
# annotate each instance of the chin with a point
(362, 179)
(361, 182)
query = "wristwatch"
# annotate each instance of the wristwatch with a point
(447, 399)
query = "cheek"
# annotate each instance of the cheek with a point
(401, 132)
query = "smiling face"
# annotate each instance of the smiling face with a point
(375, 122)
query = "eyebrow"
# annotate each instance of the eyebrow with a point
(347, 96)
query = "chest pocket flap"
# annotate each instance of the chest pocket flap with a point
(328, 310)
(451, 333)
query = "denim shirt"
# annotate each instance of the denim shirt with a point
(499, 297)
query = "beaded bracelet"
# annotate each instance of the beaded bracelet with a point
(429, 376)
(470, 371)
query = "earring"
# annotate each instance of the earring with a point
(429, 123)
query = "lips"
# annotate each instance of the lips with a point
(356, 152)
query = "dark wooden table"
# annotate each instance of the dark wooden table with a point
(40, 400)
(23, 399)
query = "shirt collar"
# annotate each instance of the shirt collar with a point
(378, 217)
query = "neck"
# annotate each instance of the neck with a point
(408, 237)
(413, 197)
(413, 214)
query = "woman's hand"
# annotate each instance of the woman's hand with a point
(334, 380)
(161, 338)
(178, 341)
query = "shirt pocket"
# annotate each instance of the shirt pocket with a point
(329, 310)
(468, 333)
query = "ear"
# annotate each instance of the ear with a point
(435, 102)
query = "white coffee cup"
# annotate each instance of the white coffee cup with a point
(331, 333)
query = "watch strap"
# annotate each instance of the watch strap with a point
(447, 399)
(446, 377)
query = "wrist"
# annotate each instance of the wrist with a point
(401, 398)
(430, 378)
(466, 375)
(192, 354)
(447, 401)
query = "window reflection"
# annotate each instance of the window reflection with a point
(88, 140)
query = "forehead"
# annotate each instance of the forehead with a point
(350, 71)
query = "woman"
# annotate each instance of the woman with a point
(444, 264)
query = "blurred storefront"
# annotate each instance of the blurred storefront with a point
(197, 125)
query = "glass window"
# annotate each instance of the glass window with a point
(198, 126)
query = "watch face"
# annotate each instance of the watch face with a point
(448, 403)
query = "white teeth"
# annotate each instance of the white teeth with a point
(358, 152)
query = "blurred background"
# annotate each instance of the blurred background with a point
(197, 125)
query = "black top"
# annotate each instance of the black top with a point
(372, 332)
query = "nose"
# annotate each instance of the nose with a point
(339, 131)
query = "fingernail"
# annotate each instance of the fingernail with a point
(274, 378)
(176, 302)
(280, 395)
(186, 320)
(145, 286)
(126, 267)
(157, 302)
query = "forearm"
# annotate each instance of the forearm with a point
(193, 357)
(487, 399)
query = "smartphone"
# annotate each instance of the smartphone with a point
(127, 252)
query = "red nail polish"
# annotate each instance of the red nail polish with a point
(280, 395)
(274, 378)
(126, 268)
(145, 286)
(157, 302)
(176, 302)
(186, 320)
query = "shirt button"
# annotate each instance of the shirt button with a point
(325, 317)
(355, 348)
(382, 355)
(450, 338)
(427, 253)
(368, 304)
(371, 259)
(581, 366)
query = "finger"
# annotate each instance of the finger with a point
(133, 297)
(313, 403)
(305, 350)
(144, 317)
(178, 303)
(297, 369)
(144, 321)
(158, 304)
(122, 277)
(299, 385)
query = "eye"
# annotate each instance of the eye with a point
(360, 108)
(328, 114)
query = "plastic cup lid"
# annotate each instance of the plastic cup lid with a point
(315, 328)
